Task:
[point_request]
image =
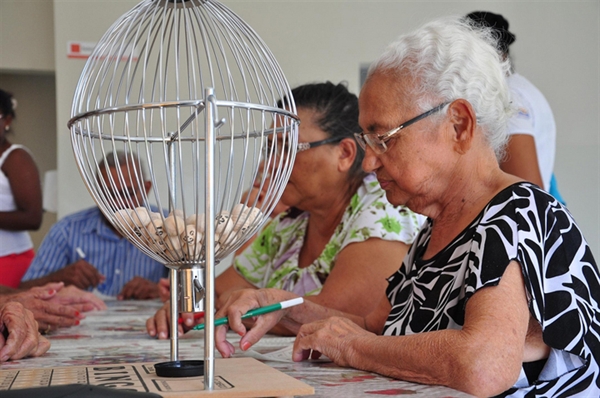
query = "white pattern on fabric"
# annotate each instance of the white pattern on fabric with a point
(525, 224)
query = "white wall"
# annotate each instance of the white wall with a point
(26, 36)
(557, 48)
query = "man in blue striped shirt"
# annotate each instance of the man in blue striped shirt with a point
(85, 250)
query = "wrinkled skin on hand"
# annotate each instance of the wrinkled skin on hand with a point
(54, 305)
(19, 337)
(331, 337)
(79, 299)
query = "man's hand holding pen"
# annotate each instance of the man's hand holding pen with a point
(80, 274)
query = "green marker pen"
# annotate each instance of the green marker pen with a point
(258, 311)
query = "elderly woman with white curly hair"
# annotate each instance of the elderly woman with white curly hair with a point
(499, 293)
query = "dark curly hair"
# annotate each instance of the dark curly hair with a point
(6, 104)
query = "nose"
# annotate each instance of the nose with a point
(371, 161)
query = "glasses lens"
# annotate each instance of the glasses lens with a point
(360, 140)
(375, 143)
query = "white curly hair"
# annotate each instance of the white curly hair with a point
(453, 58)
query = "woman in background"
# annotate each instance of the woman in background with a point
(340, 238)
(20, 200)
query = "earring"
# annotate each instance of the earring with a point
(6, 128)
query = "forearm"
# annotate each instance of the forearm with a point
(439, 358)
(20, 220)
(403, 357)
(311, 311)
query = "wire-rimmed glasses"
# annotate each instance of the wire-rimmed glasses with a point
(378, 142)
(303, 146)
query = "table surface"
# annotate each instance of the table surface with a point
(118, 335)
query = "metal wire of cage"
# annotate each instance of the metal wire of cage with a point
(178, 112)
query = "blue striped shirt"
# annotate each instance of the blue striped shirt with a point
(114, 257)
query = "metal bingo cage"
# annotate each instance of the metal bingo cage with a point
(179, 111)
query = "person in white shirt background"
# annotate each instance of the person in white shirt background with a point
(532, 145)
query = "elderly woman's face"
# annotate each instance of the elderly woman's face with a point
(313, 169)
(409, 169)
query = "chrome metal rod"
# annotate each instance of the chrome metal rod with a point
(209, 269)
(174, 315)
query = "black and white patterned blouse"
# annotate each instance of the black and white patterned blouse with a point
(525, 224)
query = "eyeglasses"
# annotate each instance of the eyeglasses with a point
(377, 142)
(303, 146)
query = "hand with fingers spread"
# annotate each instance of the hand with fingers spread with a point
(19, 337)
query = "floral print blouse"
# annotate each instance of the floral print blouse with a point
(272, 259)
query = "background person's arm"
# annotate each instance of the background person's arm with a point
(80, 274)
(24, 180)
(521, 159)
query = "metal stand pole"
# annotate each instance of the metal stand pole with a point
(209, 302)
(174, 315)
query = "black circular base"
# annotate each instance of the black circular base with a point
(180, 369)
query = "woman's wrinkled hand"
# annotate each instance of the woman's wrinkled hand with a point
(331, 337)
(19, 337)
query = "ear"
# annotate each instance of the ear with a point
(464, 122)
(147, 186)
(8, 120)
(347, 153)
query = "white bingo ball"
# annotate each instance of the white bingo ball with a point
(155, 216)
(237, 211)
(177, 213)
(174, 225)
(192, 244)
(173, 243)
(173, 247)
(140, 216)
(155, 236)
(123, 217)
(197, 220)
(191, 236)
(224, 226)
(245, 217)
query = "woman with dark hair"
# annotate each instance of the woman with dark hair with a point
(20, 200)
(340, 238)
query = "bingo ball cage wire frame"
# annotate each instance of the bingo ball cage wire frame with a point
(180, 109)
